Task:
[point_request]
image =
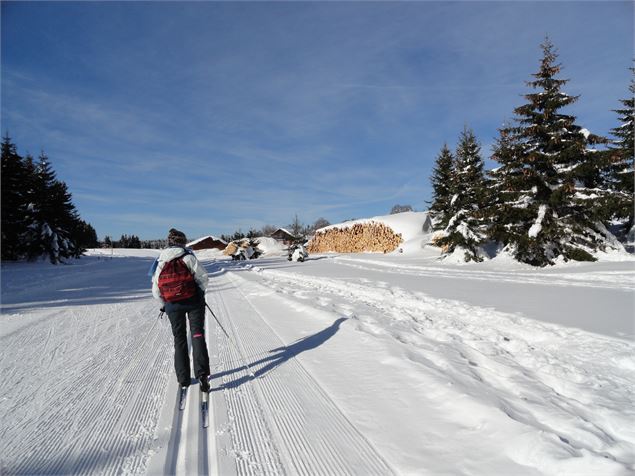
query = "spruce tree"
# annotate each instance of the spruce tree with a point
(549, 174)
(442, 188)
(85, 236)
(466, 227)
(13, 201)
(52, 217)
(620, 170)
(508, 181)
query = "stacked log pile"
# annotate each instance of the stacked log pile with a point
(357, 238)
(244, 244)
(231, 248)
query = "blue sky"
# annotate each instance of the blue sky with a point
(214, 116)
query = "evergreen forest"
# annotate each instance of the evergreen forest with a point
(39, 219)
(558, 192)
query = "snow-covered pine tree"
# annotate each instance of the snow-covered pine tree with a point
(85, 236)
(508, 204)
(466, 230)
(52, 217)
(13, 201)
(620, 167)
(442, 180)
(549, 210)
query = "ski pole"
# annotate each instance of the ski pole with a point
(251, 374)
(218, 322)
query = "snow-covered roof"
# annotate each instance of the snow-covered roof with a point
(284, 230)
(198, 240)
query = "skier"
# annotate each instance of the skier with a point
(179, 282)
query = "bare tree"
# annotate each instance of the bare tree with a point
(319, 223)
(296, 227)
(400, 209)
(268, 230)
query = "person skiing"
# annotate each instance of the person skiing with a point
(179, 282)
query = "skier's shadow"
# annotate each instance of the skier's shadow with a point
(279, 356)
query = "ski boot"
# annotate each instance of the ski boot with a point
(204, 383)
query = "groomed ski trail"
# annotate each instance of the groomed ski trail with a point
(281, 421)
(91, 401)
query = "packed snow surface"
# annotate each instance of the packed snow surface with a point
(362, 364)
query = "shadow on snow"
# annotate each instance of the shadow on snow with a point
(28, 286)
(279, 356)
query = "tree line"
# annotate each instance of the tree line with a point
(296, 228)
(558, 192)
(39, 219)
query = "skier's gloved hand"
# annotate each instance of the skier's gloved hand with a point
(162, 309)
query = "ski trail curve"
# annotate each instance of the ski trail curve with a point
(281, 421)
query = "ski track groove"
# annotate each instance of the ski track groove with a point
(242, 430)
(290, 421)
(343, 426)
(286, 391)
(183, 454)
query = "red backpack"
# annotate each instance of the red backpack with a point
(176, 281)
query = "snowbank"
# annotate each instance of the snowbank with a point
(123, 252)
(270, 247)
(209, 254)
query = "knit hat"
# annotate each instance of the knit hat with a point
(176, 238)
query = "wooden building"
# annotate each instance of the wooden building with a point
(207, 243)
(284, 236)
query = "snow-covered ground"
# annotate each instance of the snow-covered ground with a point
(363, 364)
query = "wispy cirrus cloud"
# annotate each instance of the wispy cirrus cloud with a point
(232, 115)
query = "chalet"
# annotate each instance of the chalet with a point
(283, 236)
(207, 243)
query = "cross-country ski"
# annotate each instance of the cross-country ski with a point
(204, 402)
(182, 397)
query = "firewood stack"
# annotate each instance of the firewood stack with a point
(357, 238)
(231, 248)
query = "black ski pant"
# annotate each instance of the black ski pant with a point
(196, 317)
